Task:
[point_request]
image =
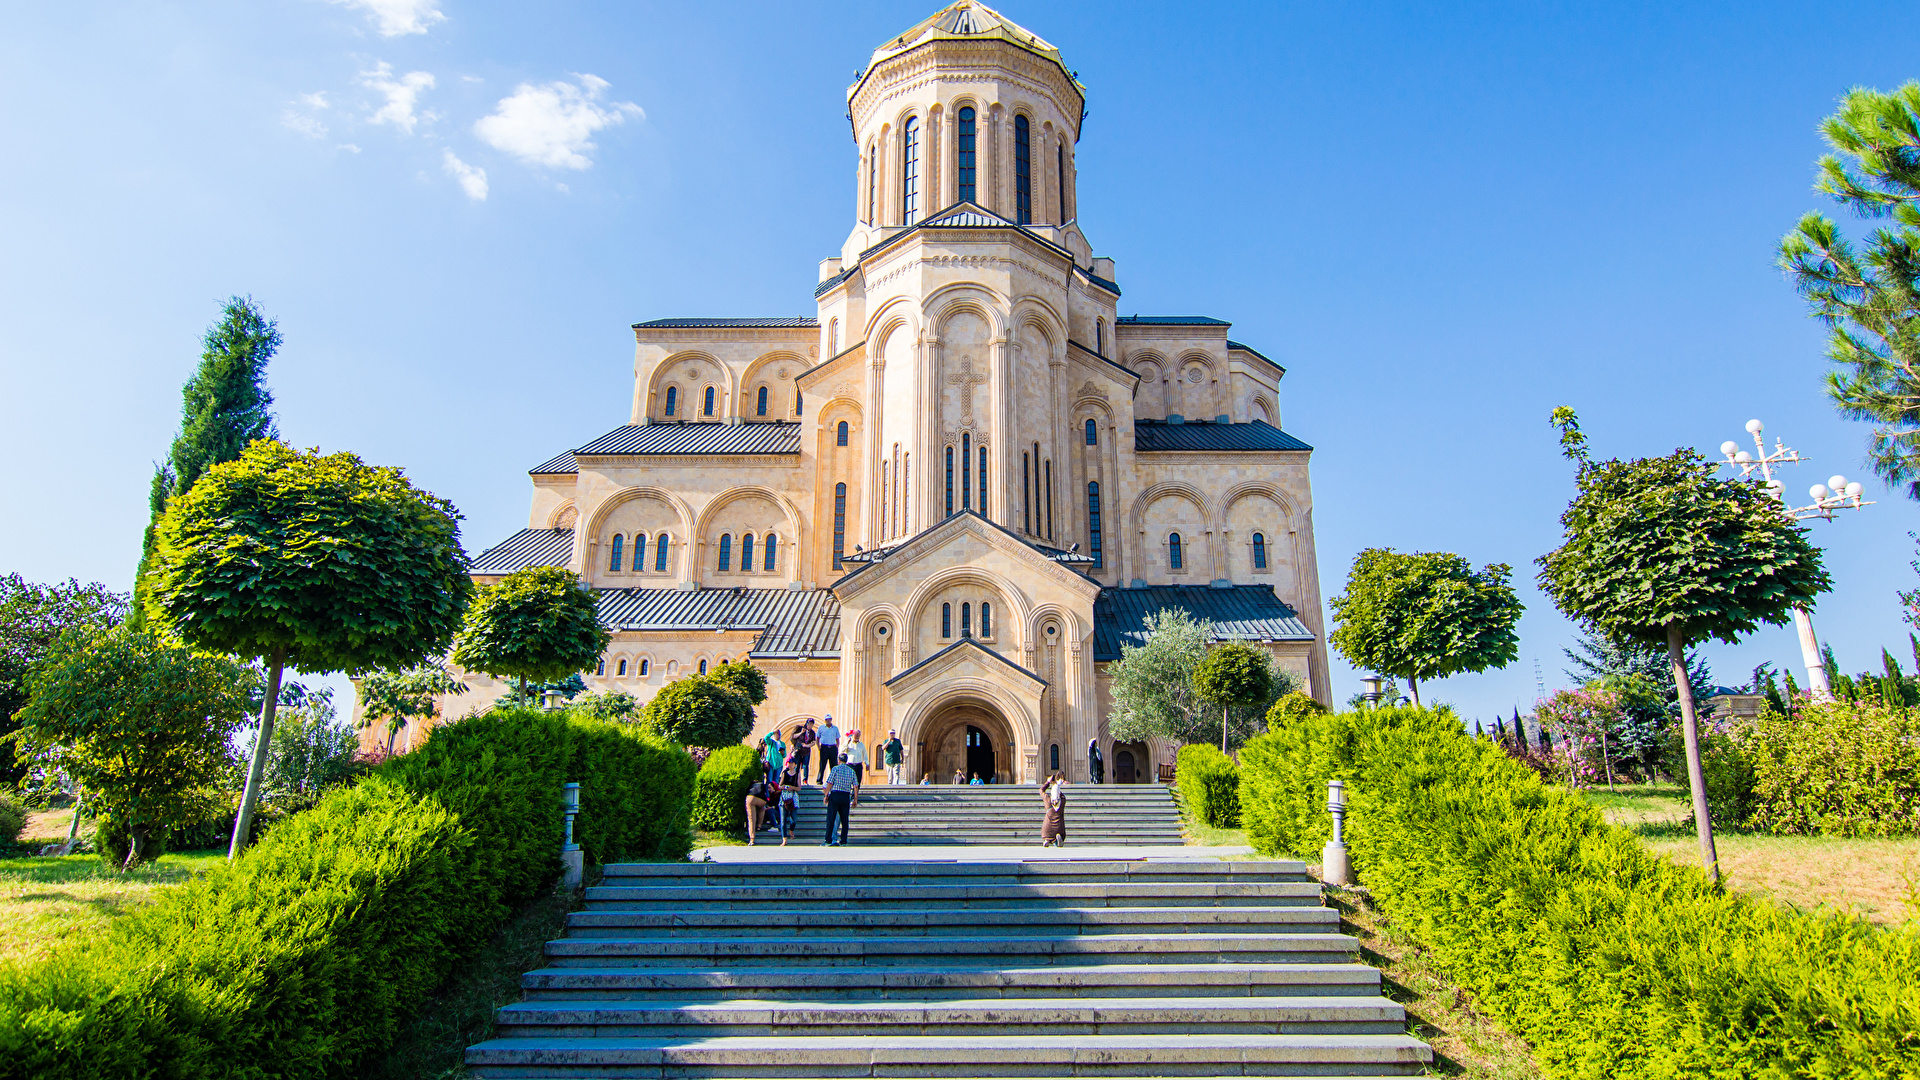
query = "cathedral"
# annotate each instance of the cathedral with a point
(944, 501)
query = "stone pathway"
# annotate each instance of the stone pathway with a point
(916, 968)
(947, 814)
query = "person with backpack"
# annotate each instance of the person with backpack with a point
(802, 752)
(757, 794)
(894, 755)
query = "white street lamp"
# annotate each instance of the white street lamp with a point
(1836, 494)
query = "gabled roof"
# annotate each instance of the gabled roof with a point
(966, 215)
(701, 437)
(1232, 344)
(965, 642)
(877, 556)
(1239, 613)
(1169, 320)
(557, 465)
(771, 323)
(528, 547)
(1211, 435)
(793, 624)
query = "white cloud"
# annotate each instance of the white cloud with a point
(396, 18)
(349, 147)
(552, 125)
(301, 115)
(473, 180)
(402, 95)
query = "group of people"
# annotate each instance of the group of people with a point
(773, 801)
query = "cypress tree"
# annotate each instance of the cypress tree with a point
(224, 407)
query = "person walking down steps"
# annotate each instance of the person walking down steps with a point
(1053, 833)
(841, 796)
(894, 756)
(789, 801)
(829, 739)
(803, 742)
(856, 755)
(1096, 765)
(757, 808)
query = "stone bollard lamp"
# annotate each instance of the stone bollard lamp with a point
(1335, 869)
(572, 859)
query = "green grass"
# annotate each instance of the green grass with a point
(48, 900)
(1209, 836)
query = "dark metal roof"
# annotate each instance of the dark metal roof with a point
(704, 437)
(528, 547)
(868, 559)
(963, 642)
(1169, 320)
(1232, 344)
(965, 216)
(773, 323)
(793, 623)
(557, 465)
(1111, 287)
(1239, 613)
(1150, 435)
(1129, 372)
(821, 289)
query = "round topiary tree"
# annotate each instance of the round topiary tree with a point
(1233, 673)
(538, 624)
(1660, 551)
(400, 696)
(1291, 708)
(698, 711)
(1425, 615)
(318, 562)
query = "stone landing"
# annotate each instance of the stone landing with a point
(947, 814)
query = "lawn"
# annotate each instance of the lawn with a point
(1879, 879)
(46, 900)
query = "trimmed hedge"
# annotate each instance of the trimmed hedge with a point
(13, 818)
(1209, 784)
(301, 958)
(720, 790)
(1611, 961)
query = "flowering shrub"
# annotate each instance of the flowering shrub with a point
(1582, 722)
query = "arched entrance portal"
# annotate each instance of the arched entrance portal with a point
(1131, 764)
(966, 737)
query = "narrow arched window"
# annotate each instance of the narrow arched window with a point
(839, 524)
(1093, 526)
(1022, 172)
(673, 397)
(1026, 497)
(746, 553)
(1053, 757)
(949, 481)
(873, 184)
(910, 171)
(622, 672)
(601, 667)
(966, 620)
(1100, 337)
(986, 619)
(1060, 177)
(840, 434)
(946, 620)
(645, 666)
(904, 485)
(1173, 551)
(796, 403)
(772, 543)
(1093, 433)
(964, 129)
(1259, 551)
(983, 481)
(1047, 500)
(761, 408)
(639, 552)
(703, 667)
(613, 553)
(833, 337)
(709, 404)
(726, 552)
(660, 554)
(966, 472)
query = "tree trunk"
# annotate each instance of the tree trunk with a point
(1696, 777)
(1224, 711)
(1413, 688)
(250, 798)
(139, 843)
(393, 736)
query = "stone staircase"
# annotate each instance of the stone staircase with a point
(1138, 968)
(1129, 814)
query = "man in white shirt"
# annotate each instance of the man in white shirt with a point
(829, 748)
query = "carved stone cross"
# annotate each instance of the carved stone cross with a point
(966, 379)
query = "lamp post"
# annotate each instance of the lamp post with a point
(1372, 691)
(572, 859)
(1836, 494)
(1335, 869)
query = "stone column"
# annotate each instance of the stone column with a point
(1000, 448)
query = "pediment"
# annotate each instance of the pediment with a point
(963, 539)
(964, 658)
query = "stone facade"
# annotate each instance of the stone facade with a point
(955, 467)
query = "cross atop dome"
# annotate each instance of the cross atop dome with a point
(970, 20)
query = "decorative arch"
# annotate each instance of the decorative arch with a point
(598, 519)
(1070, 629)
(934, 583)
(720, 502)
(875, 615)
(960, 298)
(753, 378)
(895, 315)
(1024, 723)
(1249, 488)
(1266, 409)
(564, 516)
(1165, 489)
(726, 383)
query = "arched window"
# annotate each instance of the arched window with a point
(1022, 172)
(1173, 551)
(906, 491)
(673, 396)
(840, 434)
(1060, 177)
(613, 553)
(639, 552)
(966, 620)
(746, 553)
(983, 481)
(772, 544)
(1093, 433)
(1093, 526)
(726, 552)
(601, 667)
(709, 403)
(1259, 551)
(1053, 757)
(1100, 336)
(910, 171)
(986, 619)
(796, 403)
(644, 666)
(966, 471)
(660, 554)
(833, 337)
(946, 620)
(839, 524)
(1026, 499)
(873, 183)
(1048, 500)
(949, 481)
(703, 667)
(622, 673)
(761, 408)
(964, 128)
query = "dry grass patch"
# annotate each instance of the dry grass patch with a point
(45, 901)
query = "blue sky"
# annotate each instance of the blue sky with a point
(1444, 219)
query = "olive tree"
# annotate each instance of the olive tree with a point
(1661, 552)
(1234, 673)
(1425, 615)
(537, 624)
(141, 723)
(1154, 693)
(315, 561)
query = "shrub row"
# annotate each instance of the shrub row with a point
(1209, 784)
(1610, 960)
(301, 958)
(720, 790)
(1834, 768)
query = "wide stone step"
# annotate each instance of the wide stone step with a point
(1032, 1016)
(954, 1056)
(946, 922)
(936, 983)
(959, 898)
(983, 871)
(981, 951)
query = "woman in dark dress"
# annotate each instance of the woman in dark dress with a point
(1054, 794)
